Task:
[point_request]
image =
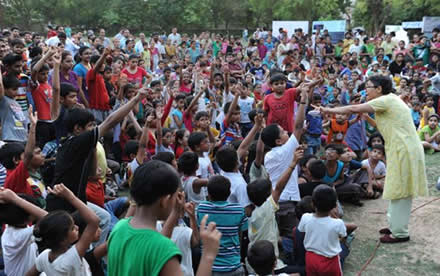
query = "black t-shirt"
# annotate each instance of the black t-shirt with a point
(73, 162)
(396, 68)
(306, 189)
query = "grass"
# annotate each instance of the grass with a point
(417, 257)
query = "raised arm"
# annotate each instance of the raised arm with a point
(87, 214)
(143, 141)
(244, 146)
(36, 68)
(299, 121)
(119, 114)
(190, 209)
(232, 106)
(282, 182)
(259, 156)
(30, 144)
(55, 103)
(101, 60)
(358, 108)
(8, 196)
(167, 109)
(2, 89)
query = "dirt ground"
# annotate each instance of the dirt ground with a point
(420, 256)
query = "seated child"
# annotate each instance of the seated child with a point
(316, 170)
(23, 165)
(322, 234)
(18, 246)
(430, 134)
(231, 220)
(376, 170)
(56, 233)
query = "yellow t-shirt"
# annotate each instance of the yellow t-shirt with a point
(406, 174)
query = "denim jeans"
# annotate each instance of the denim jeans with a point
(104, 222)
(112, 206)
(313, 143)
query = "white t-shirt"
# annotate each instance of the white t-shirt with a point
(181, 236)
(205, 169)
(67, 264)
(322, 234)
(238, 188)
(187, 183)
(380, 169)
(276, 163)
(19, 250)
(245, 107)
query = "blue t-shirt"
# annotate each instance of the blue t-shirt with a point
(231, 220)
(314, 120)
(331, 179)
(81, 71)
(415, 116)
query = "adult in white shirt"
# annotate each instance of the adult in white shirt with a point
(67, 42)
(139, 47)
(175, 37)
(282, 51)
(356, 47)
(105, 40)
(275, 162)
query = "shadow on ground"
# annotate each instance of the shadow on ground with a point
(420, 256)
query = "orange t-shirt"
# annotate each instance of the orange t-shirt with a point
(337, 132)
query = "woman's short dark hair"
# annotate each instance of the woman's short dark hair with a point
(382, 81)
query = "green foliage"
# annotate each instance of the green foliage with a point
(187, 15)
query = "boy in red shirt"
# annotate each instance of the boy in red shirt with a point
(22, 168)
(99, 101)
(279, 105)
(42, 96)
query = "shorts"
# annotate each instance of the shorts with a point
(286, 218)
(319, 265)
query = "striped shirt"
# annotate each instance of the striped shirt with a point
(2, 175)
(229, 132)
(230, 219)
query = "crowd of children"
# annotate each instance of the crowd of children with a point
(203, 155)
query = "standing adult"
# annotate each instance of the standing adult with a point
(105, 40)
(174, 37)
(139, 46)
(406, 176)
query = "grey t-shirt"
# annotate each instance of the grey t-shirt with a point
(14, 121)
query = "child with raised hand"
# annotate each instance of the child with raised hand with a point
(154, 189)
(262, 223)
(56, 233)
(18, 247)
(322, 234)
(23, 169)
